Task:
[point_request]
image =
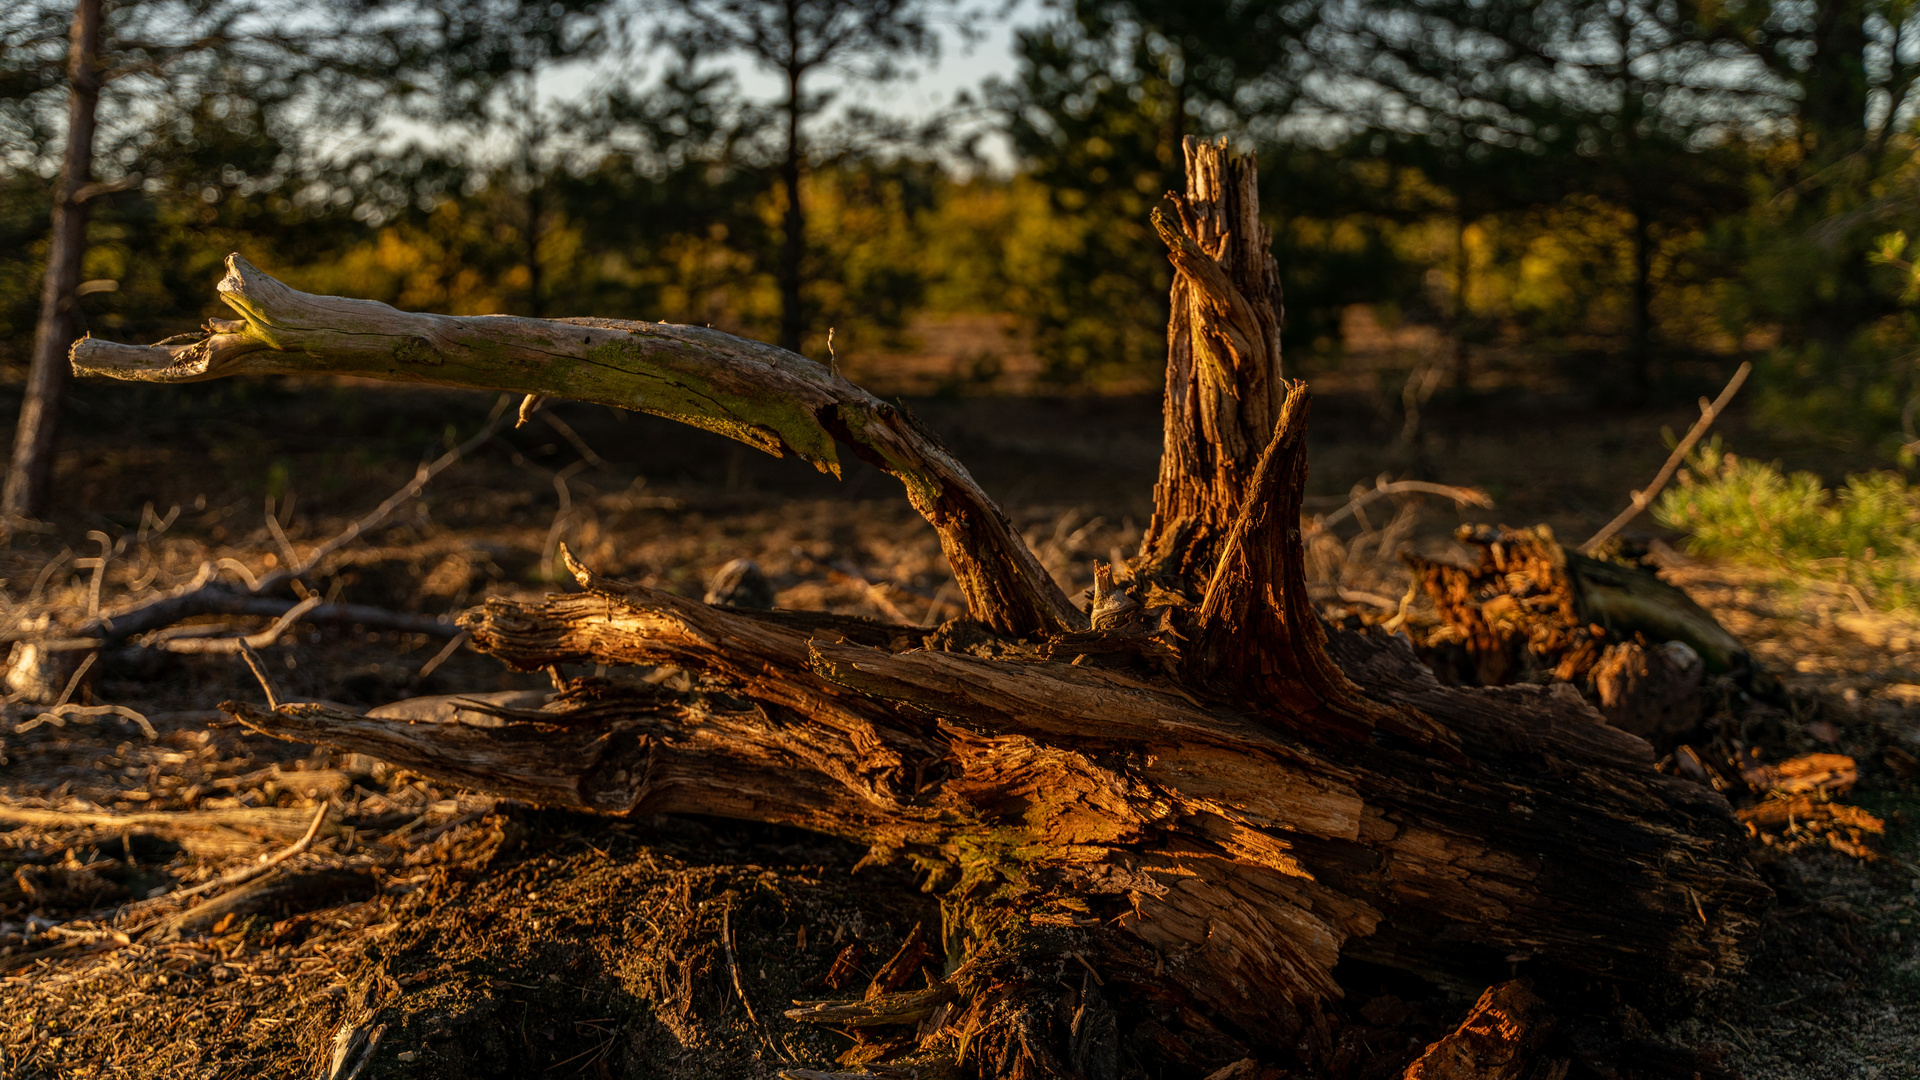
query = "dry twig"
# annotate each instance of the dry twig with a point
(259, 668)
(58, 716)
(248, 873)
(1462, 496)
(1642, 499)
(228, 645)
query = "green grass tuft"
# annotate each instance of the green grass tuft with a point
(1866, 535)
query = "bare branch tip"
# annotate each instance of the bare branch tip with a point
(579, 571)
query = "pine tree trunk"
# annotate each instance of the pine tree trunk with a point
(1196, 792)
(793, 240)
(25, 493)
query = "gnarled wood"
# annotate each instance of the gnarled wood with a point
(1224, 392)
(766, 397)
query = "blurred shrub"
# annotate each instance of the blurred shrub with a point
(1865, 535)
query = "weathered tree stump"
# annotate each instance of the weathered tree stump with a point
(1191, 789)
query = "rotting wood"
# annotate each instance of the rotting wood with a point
(1203, 797)
(1498, 1040)
(1528, 608)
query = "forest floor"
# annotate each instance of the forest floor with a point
(485, 938)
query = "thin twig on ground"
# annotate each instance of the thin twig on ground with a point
(1462, 496)
(248, 873)
(445, 654)
(733, 967)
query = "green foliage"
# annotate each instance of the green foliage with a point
(1571, 177)
(1865, 535)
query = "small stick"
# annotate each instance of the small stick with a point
(1643, 499)
(74, 682)
(1097, 980)
(240, 569)
(58, 714)
(566, 432)
(280, 538)
(444, 654)
(99, 571)
(1462, 496)
(248, 873)
(733, 968)
(259, 672)
(229, 645)
(45, 576)
(560, 516)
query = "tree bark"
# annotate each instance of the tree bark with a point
(1203, 797)
(25, 493)
(1223, 388)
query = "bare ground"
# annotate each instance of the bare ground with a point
(498, 939)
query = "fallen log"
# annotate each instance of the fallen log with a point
(1193, 790)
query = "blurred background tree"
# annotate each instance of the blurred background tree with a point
(1617, 197)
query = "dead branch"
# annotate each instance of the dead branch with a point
(227, 646)
(248, 873)
(768, 398)
(1709, 412)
